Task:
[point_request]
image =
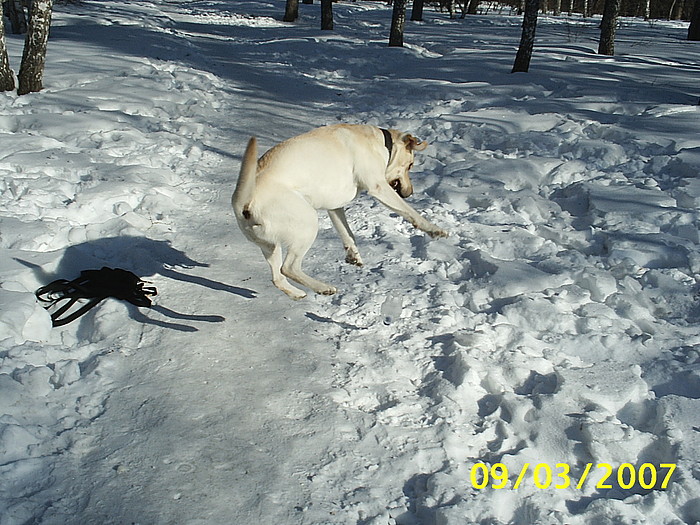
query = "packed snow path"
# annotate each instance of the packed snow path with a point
(557, 325)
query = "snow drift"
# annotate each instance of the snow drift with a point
(558, 325)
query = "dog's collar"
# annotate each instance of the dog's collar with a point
(388, 141)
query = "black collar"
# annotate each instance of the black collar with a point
(388, 141)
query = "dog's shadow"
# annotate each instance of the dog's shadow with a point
(144, 257)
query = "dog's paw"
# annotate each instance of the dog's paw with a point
(438, 234)
(294, 293)
(327, 291)
(353, 257)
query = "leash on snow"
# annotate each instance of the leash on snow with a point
(94, 286)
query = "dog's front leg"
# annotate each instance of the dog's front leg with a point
(387, 196)
(352, 255)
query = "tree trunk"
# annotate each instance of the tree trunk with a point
(608, 26)
(15, 12)
(417, 11)
(31, 71)
(694, 29)
(527, 41)
(473, 6)
(7, 78)
(326, 15)
(291, 11)
(676, 12)
(398, 19)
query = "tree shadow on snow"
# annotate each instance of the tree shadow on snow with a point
(144, 257)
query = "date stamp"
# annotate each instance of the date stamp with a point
(559, 476)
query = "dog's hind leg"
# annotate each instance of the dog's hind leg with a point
(273, 256)
(304, 236)
(292, 269)
(352, 254)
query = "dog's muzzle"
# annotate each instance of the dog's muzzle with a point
(398, 188)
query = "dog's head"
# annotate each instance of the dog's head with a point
(401, 161)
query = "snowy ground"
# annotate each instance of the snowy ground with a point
(558, 325)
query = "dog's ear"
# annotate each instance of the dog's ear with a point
(414, 144)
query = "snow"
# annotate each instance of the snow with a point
(557, 325)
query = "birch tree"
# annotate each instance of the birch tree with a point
(398, 20)
(7, 78)
(611, 11)
(291, 11)
(527, 40)
(473, 7)
(326, 14)
(694, 29)
(31, 70)
(15, 12)
(417, 11)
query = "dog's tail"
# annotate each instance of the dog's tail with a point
(243, 193)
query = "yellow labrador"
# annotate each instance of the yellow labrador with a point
(277, 196)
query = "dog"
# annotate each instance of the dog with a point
(277, 196)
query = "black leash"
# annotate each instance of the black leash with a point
(94, 286)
